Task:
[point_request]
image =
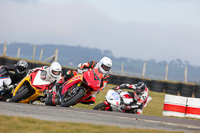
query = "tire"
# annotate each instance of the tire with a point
(116, 80)
(80, 93)
(157, 86)
(49, 102)
(100, 106)
(197, 91)
(6, 97)
(19, 95)
(172, 88)
(186, 89)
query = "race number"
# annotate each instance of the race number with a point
(116, 96)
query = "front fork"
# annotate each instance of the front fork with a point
(56, 96)
(107, 106)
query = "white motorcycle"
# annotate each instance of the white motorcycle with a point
(5, 81)
(115, 100)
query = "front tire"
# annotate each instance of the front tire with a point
(20, 95)
(80, 93)
(102, 107)
(49, 102)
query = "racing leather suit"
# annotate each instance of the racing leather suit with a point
(139, 98)
(15, 77)
(45, 74)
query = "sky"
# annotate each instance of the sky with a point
(137, 29)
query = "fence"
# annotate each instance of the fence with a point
(50, 59)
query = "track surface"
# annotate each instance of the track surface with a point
(98, 117)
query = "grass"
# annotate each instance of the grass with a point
(28, 125)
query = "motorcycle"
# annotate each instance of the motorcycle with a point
(30, 88)
(76, 89)
(5, 89)
(115, 100)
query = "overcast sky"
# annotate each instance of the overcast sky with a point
(138, 29)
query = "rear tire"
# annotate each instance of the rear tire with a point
(101, 106)
(73, 100)
(20, 95)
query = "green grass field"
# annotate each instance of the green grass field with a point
(28, 125)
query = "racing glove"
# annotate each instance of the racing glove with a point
(116, 88)
(125, 107)
(79, 69)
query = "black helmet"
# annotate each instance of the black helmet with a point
(140, 87)
(22, 67)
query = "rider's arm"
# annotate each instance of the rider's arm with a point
(104, 81)
(139, 102)
(69, 74)
(38, 68)
(87, 65)
(8, 68)
(143, 97)
(125, 86)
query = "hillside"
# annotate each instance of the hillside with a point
(71, 56)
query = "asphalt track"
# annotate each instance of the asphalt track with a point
(99, 117)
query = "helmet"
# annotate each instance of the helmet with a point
(105, 64)
(22, 67)
(55, 69)
(140, 87)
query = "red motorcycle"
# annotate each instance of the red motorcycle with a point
(77, 89)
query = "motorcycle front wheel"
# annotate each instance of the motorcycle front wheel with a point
(102, 106)
(21, 93)
(48, 101)
(69, 100)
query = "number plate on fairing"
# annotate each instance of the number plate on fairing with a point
(113, 98)
(116, 96)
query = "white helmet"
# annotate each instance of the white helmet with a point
(105, 64)
(55, 69)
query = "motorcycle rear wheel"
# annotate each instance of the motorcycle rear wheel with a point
(20, 95)
(80, 93)
(101, 106)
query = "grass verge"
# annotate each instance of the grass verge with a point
(10, 124)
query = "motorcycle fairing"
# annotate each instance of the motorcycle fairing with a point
(29, 80)
(107, 108)
(94, 80)
(127, 98)
(90, 77)
(69, 83)
(37, 82)
(5, 80)
(85, 97)
(113, 97)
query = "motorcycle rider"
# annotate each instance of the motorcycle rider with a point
(20, 70)
(104, 65)
(140, 95)
(50, 73)
(53, 74)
